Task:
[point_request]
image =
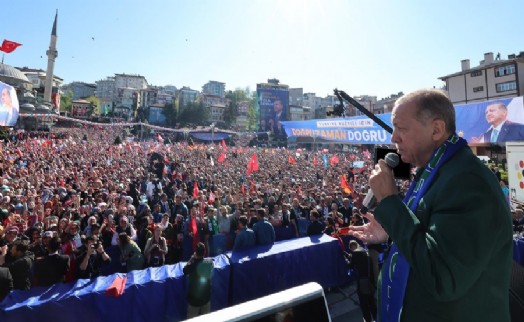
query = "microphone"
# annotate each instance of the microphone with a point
(392, 161)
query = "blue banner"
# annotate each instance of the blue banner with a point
(355, 130)
(475, 122)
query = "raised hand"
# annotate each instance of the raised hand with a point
(370, 233)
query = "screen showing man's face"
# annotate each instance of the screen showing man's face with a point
(495, 114)
(277, 106)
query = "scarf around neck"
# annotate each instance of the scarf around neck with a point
(395, 271)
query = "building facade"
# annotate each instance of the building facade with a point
(493, 78)
(37, 77)
(79, 89)
(214, 88)
(185, 96)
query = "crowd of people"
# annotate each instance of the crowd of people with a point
(75, 205)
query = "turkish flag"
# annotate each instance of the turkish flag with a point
(195, 190)
(291, 160)
(222, 157)
(252, 164)
(315, 161)
(334, 160)
(224, 144)
(9, 46)
(344, 185)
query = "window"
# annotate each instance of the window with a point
(505, 87)
(504, 70)
(476, 73)
(478, 89)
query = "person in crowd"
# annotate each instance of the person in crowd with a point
(53, 267)
(263, 229)
(179, 208)
(6, 282)
(315, 227)
(200, 272)
(124, 227)
(434, 271)
(131, 257)
(21, 264)
(36, 245)
(347, 211)
(91, 256)
(156, 248)
(361, 265)
(245, 236)
(330, 226)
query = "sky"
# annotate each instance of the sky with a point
(363, 47)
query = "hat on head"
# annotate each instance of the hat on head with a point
(48, 234)
(14, 228)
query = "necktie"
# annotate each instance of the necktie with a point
(494, 135)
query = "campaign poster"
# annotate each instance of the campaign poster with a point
(9, 108)
(273, 109)
(493, 121)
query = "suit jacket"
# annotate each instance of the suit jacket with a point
(458, 245)
(510, 131)
(51, 269)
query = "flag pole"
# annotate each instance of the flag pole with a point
(3, 55)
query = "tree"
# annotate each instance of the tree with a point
(66, 101)
(170, 113)
(193, 113)
(252, 113)
(231, 111)
(95, 104)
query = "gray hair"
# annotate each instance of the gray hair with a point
(431, 104)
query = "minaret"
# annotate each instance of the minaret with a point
(51, 53)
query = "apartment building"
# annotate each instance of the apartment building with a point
(493, 78)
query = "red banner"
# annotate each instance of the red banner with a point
(9, 46)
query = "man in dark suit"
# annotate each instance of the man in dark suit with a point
(501, 129)
(433, 271)
(21, 264)
(6, 282)
(278, 109)
(53, 267)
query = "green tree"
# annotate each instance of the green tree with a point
(66, 101)
(95, 104)
(194, 114)
(170, 114)
(252, 113)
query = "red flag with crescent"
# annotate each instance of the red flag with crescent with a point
(9, 46)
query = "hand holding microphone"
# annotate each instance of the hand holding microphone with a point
(381, 182)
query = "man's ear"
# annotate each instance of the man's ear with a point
(439, 129)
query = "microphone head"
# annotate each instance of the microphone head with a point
(392, 160)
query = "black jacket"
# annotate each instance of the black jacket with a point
(20, 269)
